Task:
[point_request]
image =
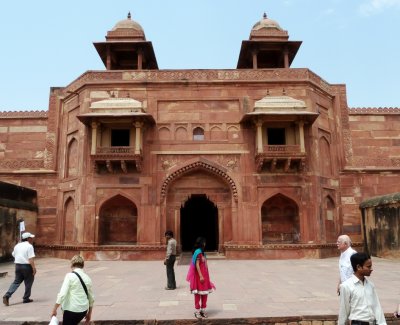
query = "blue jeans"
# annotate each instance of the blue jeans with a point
(23, 272)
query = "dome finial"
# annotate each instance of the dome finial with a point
(265, 15)
(129, 15)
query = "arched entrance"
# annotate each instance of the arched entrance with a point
(199, 217)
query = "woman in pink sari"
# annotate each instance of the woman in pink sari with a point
(199, 278)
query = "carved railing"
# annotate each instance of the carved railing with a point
(282, 157)
(117, 159)
(282, 148)
(115, 150)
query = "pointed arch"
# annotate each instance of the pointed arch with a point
(72, 158)
(233, 133)
(198, 134)
(70, 232)
(328, 209)
(199, 217)
(216, 133)
(280, 219)
(200, 163)
(181, 133)
(118, 221)
(325, 155)
(164, 133)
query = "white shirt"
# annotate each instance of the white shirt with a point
(359, 301)
(72, 296)
(23, 252)
(345, 268)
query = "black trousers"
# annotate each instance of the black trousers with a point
(71, 318)
(359, 322)
(170, 272)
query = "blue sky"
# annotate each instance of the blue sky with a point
(48, 43)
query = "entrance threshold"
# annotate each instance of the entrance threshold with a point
(185, 257)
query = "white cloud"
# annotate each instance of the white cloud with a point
(372, 7)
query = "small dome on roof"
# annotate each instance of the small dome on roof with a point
(128, 24)
(266, 23)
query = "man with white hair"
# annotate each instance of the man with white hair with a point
(345, 269)
(25, 268)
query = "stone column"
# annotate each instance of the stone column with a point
(286, 58)
(138, 137)
(140, 60)
(108, 60)
(94, 138)
(254, 53)
(259, 137)
(301, 136)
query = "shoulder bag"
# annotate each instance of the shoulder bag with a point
(83, 284)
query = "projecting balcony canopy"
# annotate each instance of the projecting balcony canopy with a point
(280, 108)
(126, 109)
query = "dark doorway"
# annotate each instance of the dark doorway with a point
(199, 217)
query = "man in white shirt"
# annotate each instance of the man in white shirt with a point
(169, 261)
(345, 269)
(25, 269)
(359, 302)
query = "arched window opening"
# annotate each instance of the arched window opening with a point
(198, 134)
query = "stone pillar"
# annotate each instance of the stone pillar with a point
(254, 53)
(301, 136)
(138, 137)
(259, 137)
(94, 138)
(108, 60)
(140, 60)
(286, 58)
(235, 223)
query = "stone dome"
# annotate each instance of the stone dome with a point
(128, 24)
(266, 23)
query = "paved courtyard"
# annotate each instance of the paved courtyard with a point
(128, 290)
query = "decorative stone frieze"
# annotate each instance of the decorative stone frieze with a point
(200, 164)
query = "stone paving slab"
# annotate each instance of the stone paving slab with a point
(134, 290)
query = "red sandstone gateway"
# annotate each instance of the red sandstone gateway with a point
(264, 160)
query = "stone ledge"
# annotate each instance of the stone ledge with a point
(290, 320)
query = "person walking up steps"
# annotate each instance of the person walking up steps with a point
(199, 278)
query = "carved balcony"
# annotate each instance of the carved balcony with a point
(280, 158)
(117, 159)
